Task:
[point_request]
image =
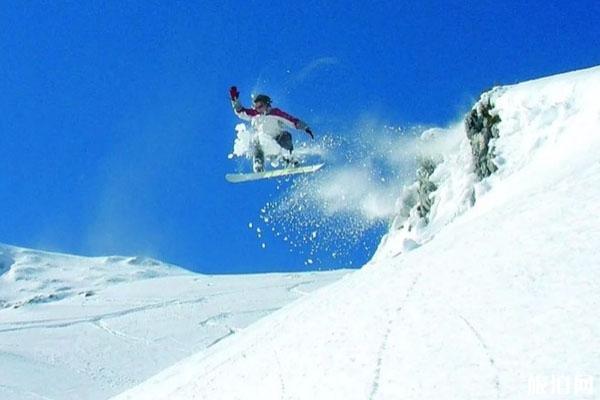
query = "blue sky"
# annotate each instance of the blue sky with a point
(116, 124)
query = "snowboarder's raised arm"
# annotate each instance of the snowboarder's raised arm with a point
(238, 109)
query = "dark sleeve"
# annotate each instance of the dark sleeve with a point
(289, 119)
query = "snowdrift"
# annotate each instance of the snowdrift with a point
(486, 287)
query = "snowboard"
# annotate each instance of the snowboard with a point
(275, 173)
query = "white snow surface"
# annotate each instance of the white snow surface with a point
(493, 300)
(89, 328)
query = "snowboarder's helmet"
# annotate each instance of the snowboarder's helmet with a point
(262, 98)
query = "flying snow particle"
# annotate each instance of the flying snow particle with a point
(344, 206)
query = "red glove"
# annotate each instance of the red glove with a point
(233, 93)
(307, 130)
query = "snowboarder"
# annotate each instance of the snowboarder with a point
(269, 121)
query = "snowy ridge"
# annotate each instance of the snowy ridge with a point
(493, 295)
(30, 276)
(88, 328)
(558, 111)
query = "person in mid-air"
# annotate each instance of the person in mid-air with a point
(269, 121)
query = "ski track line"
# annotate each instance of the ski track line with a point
(384, 342)
(285, 286)
(294, 289)
(488, 354)
(230, 332)
(213, 318)
(281, 381)
(100, 325)
(224, 315)
(57, 323)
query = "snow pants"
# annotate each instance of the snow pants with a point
(284, 139)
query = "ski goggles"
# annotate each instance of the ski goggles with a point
(259, 106)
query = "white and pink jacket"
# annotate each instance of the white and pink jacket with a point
(273, 122)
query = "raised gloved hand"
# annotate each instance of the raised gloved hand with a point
(233, 93)
(307, 130)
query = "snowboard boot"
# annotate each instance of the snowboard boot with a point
(290, 162)
(258, 166)
(258, 162)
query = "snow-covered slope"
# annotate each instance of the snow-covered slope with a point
(30, 277)
(545, 128)
(483, 290)
(88, 328)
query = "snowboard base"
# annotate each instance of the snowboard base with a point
(275, 173)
